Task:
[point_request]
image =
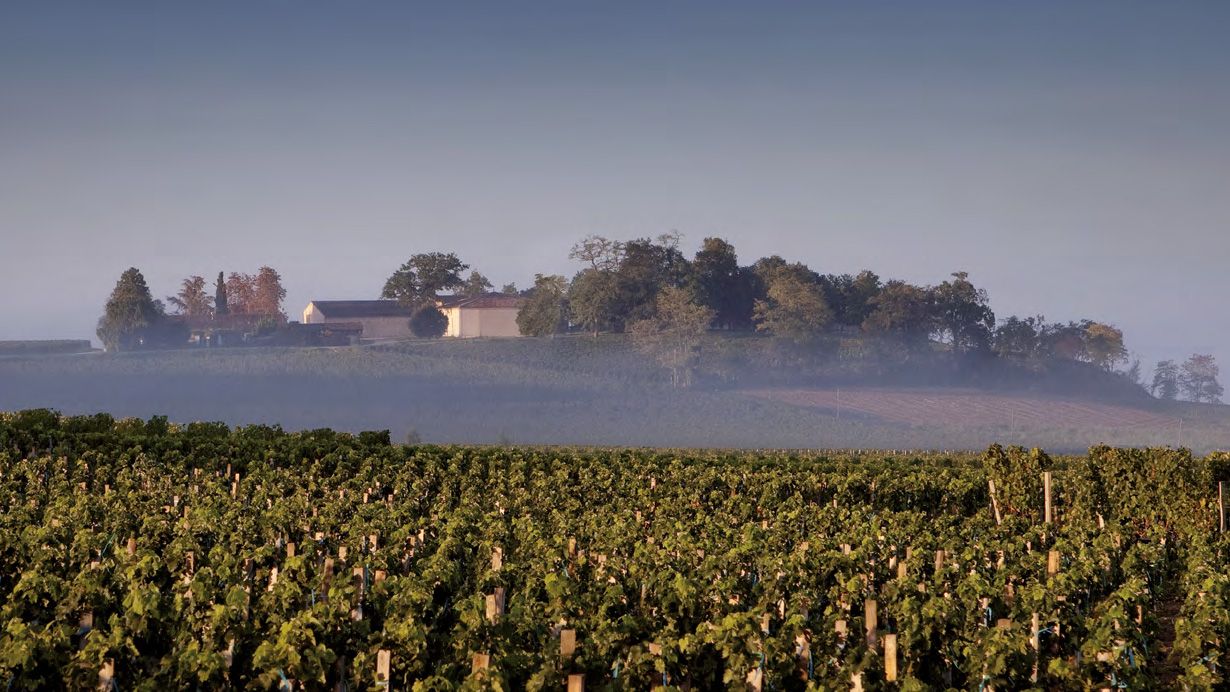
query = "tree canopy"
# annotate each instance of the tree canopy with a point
(1198, 379)
(903, 311)
(673, 334)
(476, 285)
(131, 314)
(963, 314)
(545, 311)
(192, 299)
(594, 300)
(422, 277)
(721, 285)
(793, 309)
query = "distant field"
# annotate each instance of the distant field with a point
(44, 347)
(964, 408)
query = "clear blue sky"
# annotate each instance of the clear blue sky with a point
(1073, 156)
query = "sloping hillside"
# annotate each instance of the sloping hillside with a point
(958, 408)
(580, 391)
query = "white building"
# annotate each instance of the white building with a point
(381, 319)
(488, 315)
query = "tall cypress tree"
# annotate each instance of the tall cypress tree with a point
(220, 306)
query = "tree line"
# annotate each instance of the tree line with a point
(621, 282)
(649, 288)
(667, 301)
(133, 319)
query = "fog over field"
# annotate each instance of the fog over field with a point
(581, 391)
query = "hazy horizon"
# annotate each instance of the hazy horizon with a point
(1071, 157)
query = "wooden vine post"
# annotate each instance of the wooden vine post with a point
(567, 643)
(1221, 507)
(1035, 643)
(106, 675)
(576, 683)
(755, 679)
(871, 622)
(802, 647)
(890, 657)
(327, 579)
(480, 662)
(383, 660)
(495, 605)
(994, 501)
(1047, 515)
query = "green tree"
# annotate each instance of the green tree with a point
(422, 277)
(903, 311)
(794, 309)
(130, 313)
(645, 268)
(673, 334)
(963, 314)
(1198, 379)
(1165, 380)
(509, 289)
(850, 297)
(768, 269)
(720, 284)
(476, 285)
(594, 300)
(427, 322)
(192, 299)
(221, 303)
(545, 312)
(1017, 338)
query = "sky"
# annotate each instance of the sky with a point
(1074, 157)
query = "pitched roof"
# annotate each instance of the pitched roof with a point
(352, 309)
(486, 300)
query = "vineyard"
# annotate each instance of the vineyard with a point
(146, 555)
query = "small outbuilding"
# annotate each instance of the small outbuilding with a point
(487, 315)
